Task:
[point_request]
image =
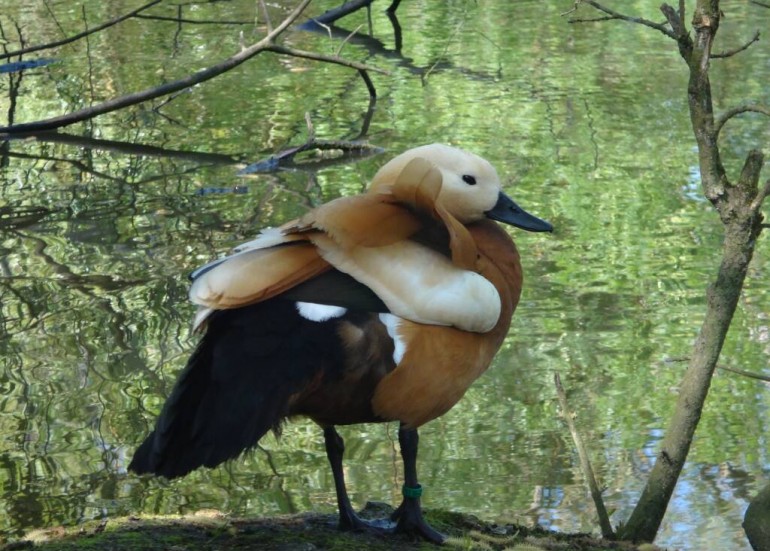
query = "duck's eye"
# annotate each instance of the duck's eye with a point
(468, 179)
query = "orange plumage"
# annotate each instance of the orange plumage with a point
(384, 306)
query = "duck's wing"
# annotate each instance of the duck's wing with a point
(295, 271)
(287, 262)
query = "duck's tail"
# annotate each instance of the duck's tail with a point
(235, 387)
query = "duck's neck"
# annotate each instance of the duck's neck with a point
(499, 262)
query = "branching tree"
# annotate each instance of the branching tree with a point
(268, 44)
(738, 200)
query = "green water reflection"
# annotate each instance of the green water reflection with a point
(587, 125)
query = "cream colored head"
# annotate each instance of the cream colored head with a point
(470, 186)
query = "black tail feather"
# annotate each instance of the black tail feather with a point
(235, 388)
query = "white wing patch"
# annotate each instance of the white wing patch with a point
(319, 312)
(399, 346)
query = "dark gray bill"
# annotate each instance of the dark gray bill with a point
(508, 212)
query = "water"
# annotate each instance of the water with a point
(588, 127)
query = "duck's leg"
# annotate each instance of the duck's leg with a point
(335, 447)
(409, 513)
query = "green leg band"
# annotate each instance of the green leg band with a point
(413, 492)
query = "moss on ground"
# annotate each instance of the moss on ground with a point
(212, 531)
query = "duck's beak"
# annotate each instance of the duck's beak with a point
(508, 212)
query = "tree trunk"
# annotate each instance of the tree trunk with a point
(738, 206)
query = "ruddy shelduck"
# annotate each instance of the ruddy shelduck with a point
(383, 306)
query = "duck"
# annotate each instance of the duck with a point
(379, 307)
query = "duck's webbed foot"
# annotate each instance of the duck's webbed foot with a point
(409, 519)
(350, 522)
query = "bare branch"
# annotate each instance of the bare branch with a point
(748, 181)
(761, 196)
(332, 15)
(585, 461)
(281, 49)
(78, 36)
(369, 83)
(675, 19)
(761, 4)
(133, 148)
(722, 119)
(193, 21)
(729, 53)
(592, 19)
(286, 157)
(266, 44)
(742, 372)
(638, 20)
(393, 6)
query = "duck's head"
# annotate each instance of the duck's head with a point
(470, 187)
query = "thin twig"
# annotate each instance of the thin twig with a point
(743, 372)
(585, 462)
(443, 54)
(78, 36)
(169, 99)
(88, 57)
(347, 38)
(573, 10)
(267, 16)
(761, 4)
(14, 85)
(327, 28)
(53, 17)
(310, 129)
(746, 108)
(638, 20)
(730, 53)
(281, 49)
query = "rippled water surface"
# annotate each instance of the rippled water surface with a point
(588, 127)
